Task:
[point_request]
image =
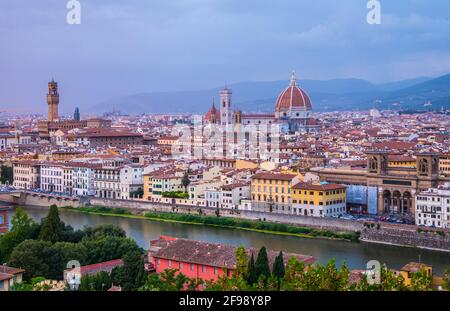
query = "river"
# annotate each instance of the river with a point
(356, 255)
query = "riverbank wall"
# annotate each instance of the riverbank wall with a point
(414, 237)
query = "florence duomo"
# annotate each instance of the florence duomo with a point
(293, 111)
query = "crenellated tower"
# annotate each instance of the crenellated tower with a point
(53, 101)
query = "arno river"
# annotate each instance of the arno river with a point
(356, 255)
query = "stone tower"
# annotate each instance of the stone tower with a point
(76, 114)
(53, 101)
(226, 114)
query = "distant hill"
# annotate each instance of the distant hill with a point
(337, 94)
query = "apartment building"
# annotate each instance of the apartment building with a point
(318, 200)
(26, 174)
(131, 179)
(271, 191)
(433, 207)
(232, 194)
(52, 177)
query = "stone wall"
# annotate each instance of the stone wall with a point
(414, 238)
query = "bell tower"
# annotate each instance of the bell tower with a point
(53, 101)
(226, 114)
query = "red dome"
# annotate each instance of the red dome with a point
(293, 97)
(213, 115)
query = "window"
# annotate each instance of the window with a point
(169, 263)
(216, 271)
(203, 268)
(192, 267)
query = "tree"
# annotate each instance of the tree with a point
(101, 231)
(251, 271)
(108, 248)
(262, 264)
(278, 267)
(168, 280)
(446, 280)
(185, 181)
(52, 227)
(34, 257)
(241, 261)
(98, 282)
(131, 275)
(22, 228)
(6, 175)
(421, 280)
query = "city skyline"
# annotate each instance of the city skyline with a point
(180, 46)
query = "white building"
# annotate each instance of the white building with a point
(131, 179)
(213, 197)
(231, 195)
(26, 174)
(433, 207)
(83, 178)
(52, 177)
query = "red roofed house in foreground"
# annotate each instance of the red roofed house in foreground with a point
(93, 269)
(198, 259)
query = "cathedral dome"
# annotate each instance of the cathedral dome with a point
(293, 98)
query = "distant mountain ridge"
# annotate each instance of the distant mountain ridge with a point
(336, 94)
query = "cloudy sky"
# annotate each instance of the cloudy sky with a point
(124, 47)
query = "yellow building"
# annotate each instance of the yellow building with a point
(408, 271)
(395, 160)
(444, 165)
(272, 191)
(158, 182)
(318, 200)
(245, 164)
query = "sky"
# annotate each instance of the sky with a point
(133, 46)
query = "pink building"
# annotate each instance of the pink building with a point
(3, 221)
(204, 260)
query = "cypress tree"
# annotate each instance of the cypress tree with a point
(278, 266)
(262, 264)
(52, 226)
(251, 272)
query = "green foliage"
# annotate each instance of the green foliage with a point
(139, 193)
(22, 228)
(52, 227)
(446, 280)
(241, 261)
(98, 282)
(278, 267)
(131, 275)
(185, 181)
(251, 277)
(175, 194)
(421, 281)
(108, 248)
(262, 264)
(168, 280)
(6, 174)
(102, 231)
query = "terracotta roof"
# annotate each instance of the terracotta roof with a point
(274, 176)
(293, 97)
(322, 187)
(211, 254)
